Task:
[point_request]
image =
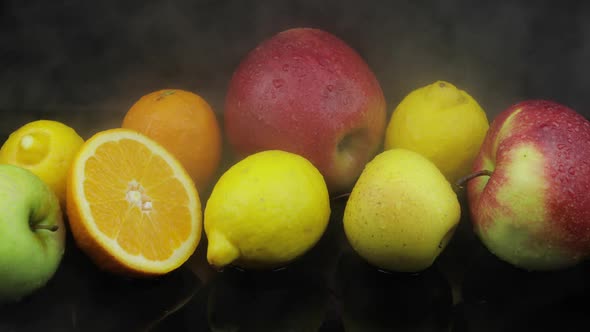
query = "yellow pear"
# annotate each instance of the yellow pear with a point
(401, 212)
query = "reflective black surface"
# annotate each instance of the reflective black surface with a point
(328, 289)
(86, 63)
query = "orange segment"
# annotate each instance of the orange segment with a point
(131, 205)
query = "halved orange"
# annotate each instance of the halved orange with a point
(132, 207)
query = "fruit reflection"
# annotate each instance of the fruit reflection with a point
(85, 299)
(378, 301)
(294, 298)
(282, 300)
(500, 297)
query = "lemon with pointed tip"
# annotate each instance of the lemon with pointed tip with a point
(402, 212)
(265, 211)
(46, 148)
(441, 122)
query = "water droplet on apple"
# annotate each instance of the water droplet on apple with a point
(560, 168)
(278, 83)
(571, 171)
(285, 67)
(324, 62)
(330, 87)
(561, 146)
(297, 58)
(254, 73)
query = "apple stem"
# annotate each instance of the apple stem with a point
(462, 181)
(51, 228)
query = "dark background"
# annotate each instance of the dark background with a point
(86, 62)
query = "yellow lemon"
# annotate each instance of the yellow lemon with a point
(45, 148)
(442, 123)
(401, 213)
(265, 211)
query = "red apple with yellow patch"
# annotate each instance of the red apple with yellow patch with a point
(307, 92)
(529, 195)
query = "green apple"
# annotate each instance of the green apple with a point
(32, 233)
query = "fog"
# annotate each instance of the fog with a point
(85, 64)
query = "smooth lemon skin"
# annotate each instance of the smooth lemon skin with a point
(46, 148)
(441, 122)
(265, 211)
(401, 212)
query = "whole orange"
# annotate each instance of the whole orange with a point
(185, 125)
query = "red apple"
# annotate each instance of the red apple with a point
(307, 92)
(530, 201)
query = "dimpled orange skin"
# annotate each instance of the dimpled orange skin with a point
(185, 125)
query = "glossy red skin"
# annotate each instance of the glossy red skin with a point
(563, 137)
(302, 91)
